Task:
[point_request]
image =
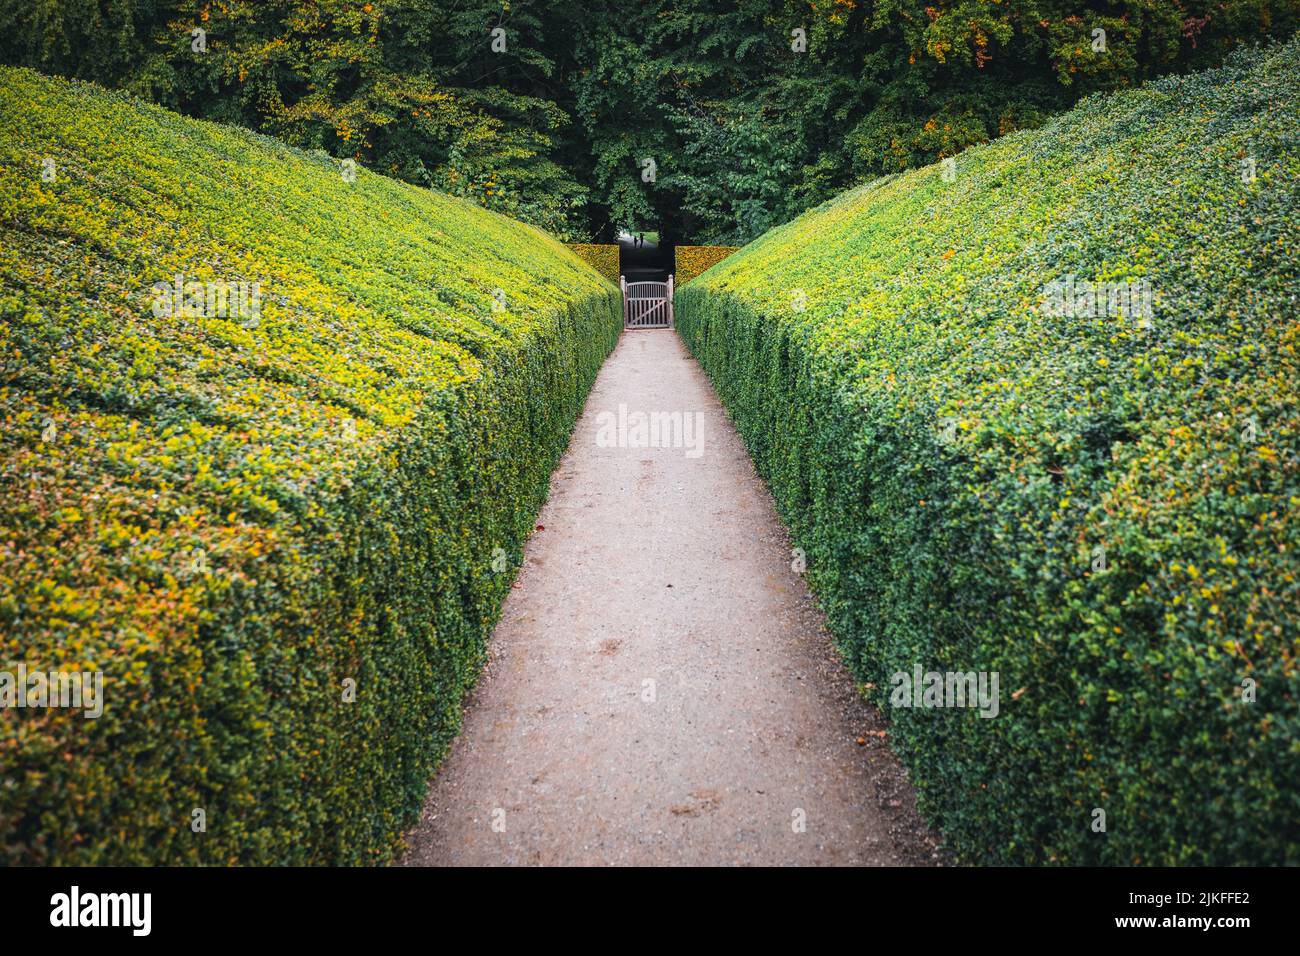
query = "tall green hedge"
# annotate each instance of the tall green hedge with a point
(1102, 507)
(693, 261)
(601, 256)
(234, 517)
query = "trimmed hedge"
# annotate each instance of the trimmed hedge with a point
(693, 261)
(603, 257)
(232, 517)
(1106, 514)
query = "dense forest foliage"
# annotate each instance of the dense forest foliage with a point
(710, 121)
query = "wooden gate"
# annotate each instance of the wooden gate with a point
(647, 305)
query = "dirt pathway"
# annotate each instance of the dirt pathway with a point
(661, 688)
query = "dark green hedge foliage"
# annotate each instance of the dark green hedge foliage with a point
(954, 458)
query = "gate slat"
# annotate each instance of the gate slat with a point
(646, 305)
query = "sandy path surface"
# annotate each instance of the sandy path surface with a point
(661, 688)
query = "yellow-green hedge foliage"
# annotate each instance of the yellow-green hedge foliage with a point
(603, 257)
(692, 261)
(232, 519)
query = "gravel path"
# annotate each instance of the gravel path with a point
(661, 688)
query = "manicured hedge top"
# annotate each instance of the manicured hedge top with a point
(1103, 507)
(162, 472)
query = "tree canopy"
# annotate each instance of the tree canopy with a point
(707, 120)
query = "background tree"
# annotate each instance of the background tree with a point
(752, 110)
